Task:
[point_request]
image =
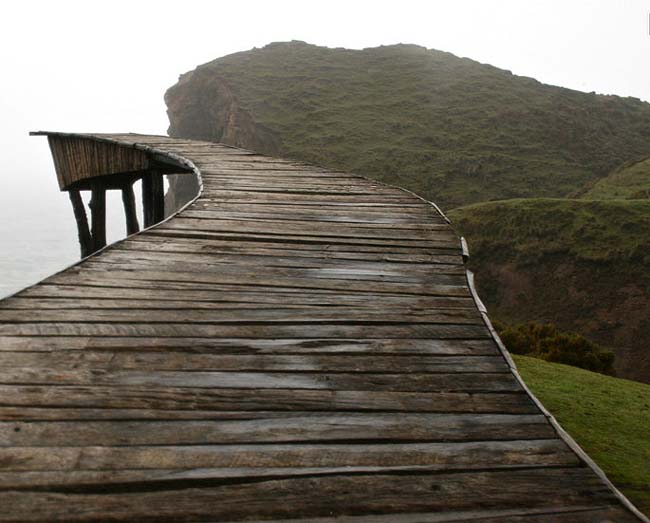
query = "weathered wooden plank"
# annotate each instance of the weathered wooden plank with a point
(217, 399)
(159, 479)
(304, 183)
(259, 180)
(327, 252)
(235, 164)
(276, 260)
(322, 203)
(121, 415)
(342, 272)
(225, 291)
(113, 276)
(254, 331)
(435, 456)
(268, 195)
(181, 360)
(316, 496)
(303, 248)
(251, 314)
(454, 382)
(379, 274)
(171, 230)
(334, 230)
(549, 514)
(298, 172)
(305, 193)
(264, 427)
(79, 296)
(349, 219)
(189, 345)
(411, 213)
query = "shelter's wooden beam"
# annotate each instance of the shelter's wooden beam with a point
(111, 182)
(85, 240)
(128, 198)
(153, 198)
(98, 215)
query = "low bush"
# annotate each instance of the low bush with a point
(546, 342)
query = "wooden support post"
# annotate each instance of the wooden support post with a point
(128, 198)
(98, 215)
(153, 198)
(147, 203)
(158, 198)
(85, 240)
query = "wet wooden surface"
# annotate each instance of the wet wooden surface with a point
(296, 345)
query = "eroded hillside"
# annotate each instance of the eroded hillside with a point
(583, 265)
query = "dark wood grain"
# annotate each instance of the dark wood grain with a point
(296, 345)
(314, 496)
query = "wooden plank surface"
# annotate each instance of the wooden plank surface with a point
(296, 345)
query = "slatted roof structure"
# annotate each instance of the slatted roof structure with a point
(295, 345)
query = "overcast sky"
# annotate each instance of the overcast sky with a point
(104, 66)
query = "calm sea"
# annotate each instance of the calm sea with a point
(38, 234)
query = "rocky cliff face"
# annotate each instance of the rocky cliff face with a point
(182, 189)
(203, 106)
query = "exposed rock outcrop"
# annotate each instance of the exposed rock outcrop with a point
(203, 106)
(182, 189)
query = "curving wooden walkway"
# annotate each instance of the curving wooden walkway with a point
(297, 344)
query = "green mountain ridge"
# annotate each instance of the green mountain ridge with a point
(630, 181)
(451, 129)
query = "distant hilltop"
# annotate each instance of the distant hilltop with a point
(452, 129)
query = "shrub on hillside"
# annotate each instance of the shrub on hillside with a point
(546, 342)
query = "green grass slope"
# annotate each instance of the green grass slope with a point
(583, 265)
(630, 181)
(451, 129)
(608, 418)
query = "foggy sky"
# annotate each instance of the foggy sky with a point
(104, 66)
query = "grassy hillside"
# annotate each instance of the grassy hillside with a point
(451, 129)
(608, 417)
(583, 265)
(630, 181)
(613, 232)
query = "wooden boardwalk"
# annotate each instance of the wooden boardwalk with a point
(295, 345)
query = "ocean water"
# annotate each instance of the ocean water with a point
(38, 233)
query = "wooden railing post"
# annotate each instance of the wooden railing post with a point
(83, 232)
(153, 198)
(98, 216)
(128, 198)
